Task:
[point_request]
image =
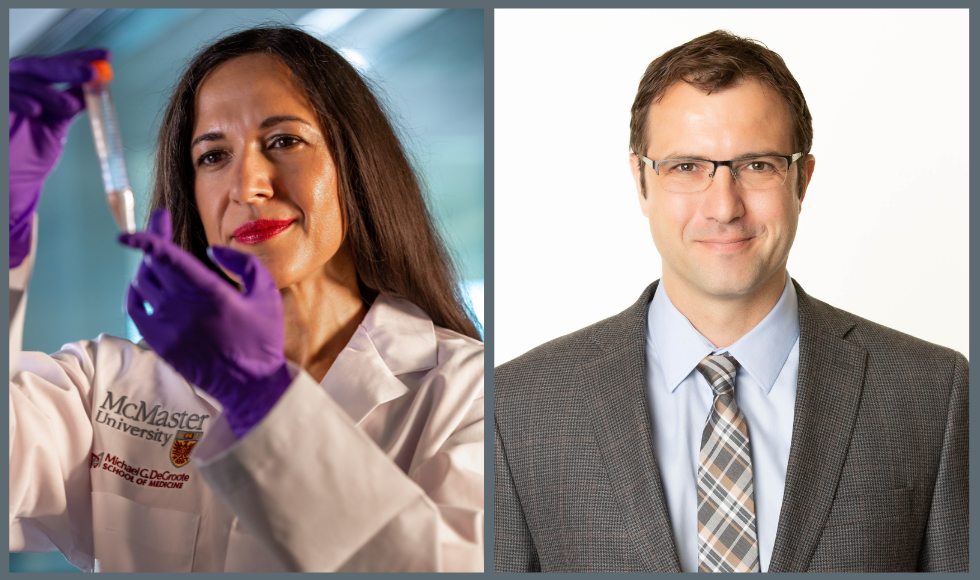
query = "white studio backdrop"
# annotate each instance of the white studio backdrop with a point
(884, 229)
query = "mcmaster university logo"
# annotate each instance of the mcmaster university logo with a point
(184, 442)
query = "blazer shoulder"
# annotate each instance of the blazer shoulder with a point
(557, 359)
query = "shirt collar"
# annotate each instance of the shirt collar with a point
(761, 353)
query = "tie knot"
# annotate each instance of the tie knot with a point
(719, 371)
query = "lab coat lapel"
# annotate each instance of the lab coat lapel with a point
(396, 337)
(831, 377)
(612, 385)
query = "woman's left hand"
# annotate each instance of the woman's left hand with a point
(227, 342)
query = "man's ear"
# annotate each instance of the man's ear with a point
(809, 162)
(636, 167)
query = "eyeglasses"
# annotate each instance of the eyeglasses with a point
(695, 175)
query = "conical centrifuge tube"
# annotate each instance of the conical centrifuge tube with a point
(108, 144)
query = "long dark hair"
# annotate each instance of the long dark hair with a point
(389, 230)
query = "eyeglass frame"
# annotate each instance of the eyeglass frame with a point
(655, 164)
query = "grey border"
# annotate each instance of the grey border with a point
(488, 6)
(488, 327)
(5, 210)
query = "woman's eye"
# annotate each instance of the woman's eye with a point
(210, 158)
(284, 141)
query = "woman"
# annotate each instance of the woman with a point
(333, 404)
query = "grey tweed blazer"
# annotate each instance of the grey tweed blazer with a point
(878, 466)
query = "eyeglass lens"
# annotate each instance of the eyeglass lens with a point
(691, 175)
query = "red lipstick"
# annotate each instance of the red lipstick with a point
(260, 230)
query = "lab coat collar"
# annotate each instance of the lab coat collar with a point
(395, 338)
(403, 334)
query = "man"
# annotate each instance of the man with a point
(727, 420)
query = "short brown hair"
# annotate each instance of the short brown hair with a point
(391, 234)
(714, 62)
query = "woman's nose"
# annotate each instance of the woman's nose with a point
(253, 178)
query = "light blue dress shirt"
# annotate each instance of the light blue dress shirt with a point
(680, 400)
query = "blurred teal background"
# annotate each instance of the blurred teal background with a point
(428, 65)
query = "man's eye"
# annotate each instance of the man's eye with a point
(684, 168)
(758, 166)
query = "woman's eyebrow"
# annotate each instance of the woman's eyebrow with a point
(211, 136)
(271, 121)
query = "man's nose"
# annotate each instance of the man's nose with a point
(723, 198)
(253, 178)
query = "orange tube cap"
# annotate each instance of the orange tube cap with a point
(103, 71)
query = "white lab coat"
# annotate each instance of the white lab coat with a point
(378, 467)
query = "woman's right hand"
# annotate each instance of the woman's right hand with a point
(225, 341)
(39, 119)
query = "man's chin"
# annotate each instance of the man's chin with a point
(730, 287)
(739, 286)
(728, 291)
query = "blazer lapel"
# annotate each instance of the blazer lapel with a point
(831, 377)
(613, 388)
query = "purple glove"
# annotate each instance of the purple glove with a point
(227, 342)
(39, 119)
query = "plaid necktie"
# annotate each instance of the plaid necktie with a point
(727, 540)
